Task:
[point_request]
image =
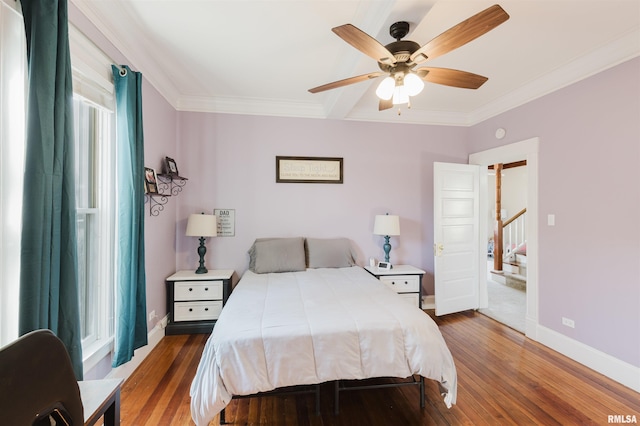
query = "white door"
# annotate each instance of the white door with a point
(456, 237)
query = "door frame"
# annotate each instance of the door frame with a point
(523, 150)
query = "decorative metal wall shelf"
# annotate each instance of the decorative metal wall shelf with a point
(156, 202)
(168, 185)
(171, 184)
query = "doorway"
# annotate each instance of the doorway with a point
(527, 150)
(507, 267)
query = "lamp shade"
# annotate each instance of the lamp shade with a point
(400, 95)
(386, 225)
(385, 88)
(202, 225)
(413, 83)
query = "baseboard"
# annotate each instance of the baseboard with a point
(153, 338)
(620, 371)
(428, 302)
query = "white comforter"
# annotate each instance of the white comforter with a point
(311, 327)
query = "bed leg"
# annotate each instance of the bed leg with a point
(222, 419)
(317, 400)
(421, 392)
(336, 397)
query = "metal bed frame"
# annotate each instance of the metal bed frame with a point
(338, 386)
(290, 390)
(342, 386)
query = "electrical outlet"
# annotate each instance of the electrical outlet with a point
(568, 322)
(152, 315)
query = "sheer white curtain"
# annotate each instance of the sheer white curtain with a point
(12, 127)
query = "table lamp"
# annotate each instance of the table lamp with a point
(202, 225)
(386, 225)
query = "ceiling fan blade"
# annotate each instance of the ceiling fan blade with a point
(385, 104)
(364, 43)
(461, 34)
(449, 77)
(346, 81)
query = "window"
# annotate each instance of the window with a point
(94, 130)
(94, 161)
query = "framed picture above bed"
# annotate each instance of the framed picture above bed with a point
(309, 169)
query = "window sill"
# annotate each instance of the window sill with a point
(95, 352)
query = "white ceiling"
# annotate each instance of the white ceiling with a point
(262, 56)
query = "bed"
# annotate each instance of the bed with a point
(313, 325)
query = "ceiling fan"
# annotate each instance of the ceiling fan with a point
(398, 59)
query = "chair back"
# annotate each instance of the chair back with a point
(37, 381)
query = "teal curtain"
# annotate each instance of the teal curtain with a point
(131, 304)
(48, 265)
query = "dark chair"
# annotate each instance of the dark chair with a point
(37, 384)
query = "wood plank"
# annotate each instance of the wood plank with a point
(503, 378)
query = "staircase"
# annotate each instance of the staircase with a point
(514, 272)
(514, 251)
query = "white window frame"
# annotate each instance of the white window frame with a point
(93, 84)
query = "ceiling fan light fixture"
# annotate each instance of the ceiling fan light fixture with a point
(413, 84)
(400, 95)
(386, 88)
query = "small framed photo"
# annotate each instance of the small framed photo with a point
(150, 181)
(170, 166)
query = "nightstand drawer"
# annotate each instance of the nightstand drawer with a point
(205, 290)
(411, 298)
(402, 283)
(195, 311)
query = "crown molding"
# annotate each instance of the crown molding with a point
(621, 50)
(249, 106)
(139, 55)
(607, 56)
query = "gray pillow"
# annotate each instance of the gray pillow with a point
(277, 255)
(329, 253)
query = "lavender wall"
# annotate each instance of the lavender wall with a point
(230, 162)
(160, 128)
(589, 265)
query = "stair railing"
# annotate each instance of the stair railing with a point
(514, 235)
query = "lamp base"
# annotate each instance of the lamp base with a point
(202, 250)
(387, 248)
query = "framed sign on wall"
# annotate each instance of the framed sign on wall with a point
(226, 222)
(309, 169)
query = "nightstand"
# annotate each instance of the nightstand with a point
(405, 280)
(194, 301)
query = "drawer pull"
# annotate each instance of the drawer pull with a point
(206, 289)
(190, 309)
(190, 289)
(406, 282)
(206, 309)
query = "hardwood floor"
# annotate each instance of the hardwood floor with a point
(503, 378)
